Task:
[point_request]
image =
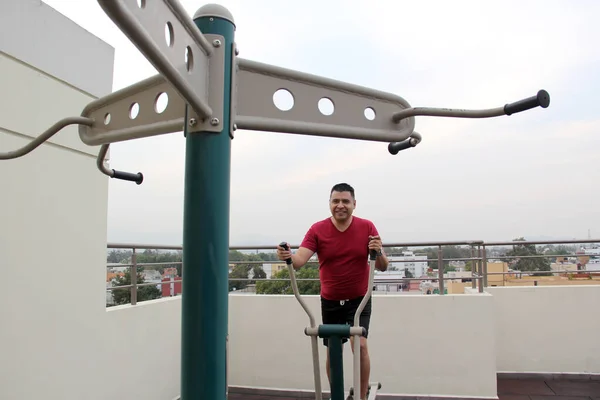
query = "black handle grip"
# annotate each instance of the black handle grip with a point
(542, 99)
(396, 147)
(373, 254)
(128, 176)
(288, 261)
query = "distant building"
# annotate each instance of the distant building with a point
(416, 264)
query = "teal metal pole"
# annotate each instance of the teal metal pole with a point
(336, 366)
(204, 316)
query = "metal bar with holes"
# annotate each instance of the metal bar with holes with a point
(146, 108)
(153, 107)
(358, 112)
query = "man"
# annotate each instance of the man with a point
(342, 243)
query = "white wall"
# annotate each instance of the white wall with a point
(40, 36)
(547, 329)
(416, 344)
(53, 205)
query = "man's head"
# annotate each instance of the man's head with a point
(342, 202)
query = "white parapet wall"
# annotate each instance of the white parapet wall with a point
(142, 351)
(547, 329)
(416, 345)
(419, 345)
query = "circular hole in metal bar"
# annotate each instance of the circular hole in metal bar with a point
(189, 58)
(283, 99)
(326, 106)
(169, 35)
(141, 3)
(369, 113)
(107, 119)
(161, 102)
(134, 110)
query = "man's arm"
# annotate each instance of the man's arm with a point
(301, 257)
(382, 261)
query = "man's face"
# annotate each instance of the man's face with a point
(341, 205)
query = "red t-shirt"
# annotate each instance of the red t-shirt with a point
(343, 257)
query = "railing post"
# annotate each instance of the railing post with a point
(133, 269)
(473, 269)
(480, 274)
(484, 261)
(440, 270)
(476, 266)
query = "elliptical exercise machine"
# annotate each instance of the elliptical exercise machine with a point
(335, 333)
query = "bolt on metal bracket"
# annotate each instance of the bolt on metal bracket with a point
(233, 90)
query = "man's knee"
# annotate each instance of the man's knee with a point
(364, 348)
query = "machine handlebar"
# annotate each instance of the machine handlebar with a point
(113, 173)
(290, 265)
(288, 261)
(47, 134)
(541, 99)
(128, 176)
(396, 147)
(372, 255)
(312, 322)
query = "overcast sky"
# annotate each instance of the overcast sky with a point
(530, 174)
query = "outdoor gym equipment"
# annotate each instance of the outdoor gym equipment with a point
(335, 333)
(211, 92)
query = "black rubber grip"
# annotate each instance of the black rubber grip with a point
(542, 99)
(396, 147)
(128, 176)
(373, 254)
(286, 247)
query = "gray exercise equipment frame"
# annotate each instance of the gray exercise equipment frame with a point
(191, 66)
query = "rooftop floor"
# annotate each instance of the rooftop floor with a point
(556, 388)
(549, 389)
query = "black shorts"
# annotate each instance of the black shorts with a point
(342, 312)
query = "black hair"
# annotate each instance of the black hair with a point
(342, 187)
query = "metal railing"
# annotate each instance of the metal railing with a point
(478, 276)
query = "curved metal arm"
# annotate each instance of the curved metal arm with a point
(361, 306)
(126, 176)
(314, 341)
(367, 296)
(45, 136)
(541, 99)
